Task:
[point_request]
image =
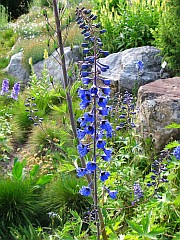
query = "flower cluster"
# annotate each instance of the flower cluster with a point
(93, 127)
(5, 89)
(159, 168)
(176, 152)
(138, 193)
(123, 111)
(31, 108)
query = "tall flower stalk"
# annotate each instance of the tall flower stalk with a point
(94, 127)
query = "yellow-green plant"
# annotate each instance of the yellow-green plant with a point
(128, 23)
(167, 34)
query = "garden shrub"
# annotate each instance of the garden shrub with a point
(7, 40)
(167, 34)
(127, 25)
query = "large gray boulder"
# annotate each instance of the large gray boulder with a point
(159, 105)
(123, 71)
(16, 68)
(53, 63)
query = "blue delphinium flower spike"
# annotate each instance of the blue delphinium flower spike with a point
(93, 127)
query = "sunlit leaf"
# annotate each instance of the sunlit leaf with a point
(135, 227)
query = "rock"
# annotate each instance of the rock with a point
(123, 70)
(159, 105)
(16, 69)
(54, 68)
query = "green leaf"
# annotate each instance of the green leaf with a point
(177, 201)
(135, 227)
(172, 145)
(156, 231)
(146, 222)
(34, 171)
(173, 125)
(44, 179)
(17, 171)
(66, 167)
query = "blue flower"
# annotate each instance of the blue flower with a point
(176, 152)
(85, 191)
(102, 67)
(105, 53)
(84, 104)
(90, 59)
(100, 144)
(94, 90)
(104, 111)
(139, 66)
(107, 154)
(81, 172)
(106, 90)
(84, 44)
(102, 31)
(105, 125)
(86, 80)
(88, 117)
(107, 82)
(89, 130)
(83, 149)
(5, 86)
(15, 91)
(86, 50)
(81, 134)
(91, 166)
(138, 193)
(85, 74)
(102, 101)
(113, 194)
(85, 66)
(82, 121)
(104, 176)
(86, 98)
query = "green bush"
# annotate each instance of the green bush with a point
(4, 62)
(168, 34)
(128, 25)
(7, 40)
